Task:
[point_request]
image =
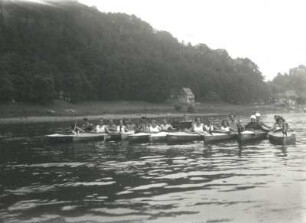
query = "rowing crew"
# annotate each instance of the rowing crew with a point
(123, 126)
(233, 124)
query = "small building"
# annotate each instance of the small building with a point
(186, 96)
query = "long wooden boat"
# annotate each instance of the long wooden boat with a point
(183, 137)
(140, 137)
(219, 137)
(75, 137)
(278, 138)
(125, 135)
(249, 136)
(115, 137)
(158, 137)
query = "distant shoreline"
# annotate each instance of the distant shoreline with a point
(60, 111)
(42, 119)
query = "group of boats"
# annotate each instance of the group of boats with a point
(277, 138)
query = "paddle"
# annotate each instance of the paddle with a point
(284, 130)
(210, 129)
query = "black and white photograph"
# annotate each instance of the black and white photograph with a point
(152, 111)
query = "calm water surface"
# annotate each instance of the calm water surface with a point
(118, 182)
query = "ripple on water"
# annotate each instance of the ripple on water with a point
(100, 182)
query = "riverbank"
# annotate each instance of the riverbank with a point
(61, 111)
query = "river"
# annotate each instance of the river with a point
(118, 182)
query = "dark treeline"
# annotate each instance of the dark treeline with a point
(69, 49)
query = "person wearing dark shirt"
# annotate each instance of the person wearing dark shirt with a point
(254, 125)
(87, 126)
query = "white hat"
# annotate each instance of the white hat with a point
(253, 117)
(257, 114)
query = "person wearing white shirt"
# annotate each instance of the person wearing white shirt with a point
(121, 127)
(209, 127)
(154, 127)
(198, 126)
(225, 126)
(100, 128)
(165, 126)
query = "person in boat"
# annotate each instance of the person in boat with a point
(186, 123)
(225, 126)
(253, 125)
(101, 127)
(165, 126)
(198, 126)
(75, 129)
(111, 127)
(87, 126)
(209, 126)
(130, 125)
(263, 125)
(121, 127)
(234, 123)
(276, 117)
(142, 126)
(154, 128)
(280, 125)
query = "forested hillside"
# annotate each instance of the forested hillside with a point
(78, 52)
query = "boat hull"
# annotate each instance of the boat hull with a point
(250, 136)
(76, 137)
(116, 137)
(219, 137)
(280, 139)
(158, 137)
(139, 138)
(183, 137)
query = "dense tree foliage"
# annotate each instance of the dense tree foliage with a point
(66, 48)
(294, 80)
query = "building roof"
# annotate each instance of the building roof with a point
(186, 91)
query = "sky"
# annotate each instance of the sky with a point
(269, 32)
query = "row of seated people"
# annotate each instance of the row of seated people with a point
(123, 126)
(234, 124)
(145, 126)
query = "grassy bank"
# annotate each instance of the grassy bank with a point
(64, 111)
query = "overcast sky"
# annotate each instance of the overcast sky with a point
(269, 32)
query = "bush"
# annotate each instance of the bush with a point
(191, 109)
(178, 107)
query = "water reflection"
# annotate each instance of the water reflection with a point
(109, 182)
